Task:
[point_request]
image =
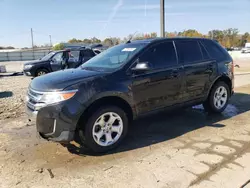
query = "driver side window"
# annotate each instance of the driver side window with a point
(58, 57)
(160, 56)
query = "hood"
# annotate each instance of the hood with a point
(59, 80)
(35, 62)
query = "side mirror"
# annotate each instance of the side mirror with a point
(141, 67)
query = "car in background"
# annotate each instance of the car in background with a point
(57, 60)
(245, 50)
(98, 48)
(229, 49)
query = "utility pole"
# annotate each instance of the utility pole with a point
(32, 41)
(50, 40)
(162, 12)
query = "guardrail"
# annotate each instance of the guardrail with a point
(22, 55)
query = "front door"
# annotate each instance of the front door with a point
(56, 61)
(198, 68)
(160, 86)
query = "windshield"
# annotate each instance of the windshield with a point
(114, 57)
(48, 56)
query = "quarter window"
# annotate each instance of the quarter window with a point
(204, 52)
(214, 50)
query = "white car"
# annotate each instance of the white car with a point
(245, 50)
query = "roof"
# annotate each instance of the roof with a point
(150, 40)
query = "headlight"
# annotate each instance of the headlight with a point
(27, 66)
(54, 97)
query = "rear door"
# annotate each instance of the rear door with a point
(198, 68)
(74, 58)
(161, 85)
(87, 54)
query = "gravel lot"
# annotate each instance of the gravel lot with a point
(12, 96)
(188, 148)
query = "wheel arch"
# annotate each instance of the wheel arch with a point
(223, 78)
(41, 68)
(107, 101)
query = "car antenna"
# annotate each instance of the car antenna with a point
(129, 40)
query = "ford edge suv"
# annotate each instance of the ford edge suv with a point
(96, 102)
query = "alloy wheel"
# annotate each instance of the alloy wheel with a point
(107, 129)
(40, 73)
(220, 97)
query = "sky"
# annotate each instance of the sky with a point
(66, 19)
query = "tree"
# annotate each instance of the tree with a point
(171, 34)
(74, 40)
(87, 41)
(245, 38)
(108, 42)
(10, 47)
(95, 40)
(115, 40)
(59, 46)
(138, 36)
(190, 33)
(147, 36)
(153, 35)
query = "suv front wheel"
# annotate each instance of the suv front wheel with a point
(218, 98)
(105, 129)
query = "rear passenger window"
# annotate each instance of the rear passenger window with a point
(160, 56)
(88, 53)
(74, 55)
(188, 51)
(214, 50)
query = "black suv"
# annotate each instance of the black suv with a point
(57, 60)
(96, 102)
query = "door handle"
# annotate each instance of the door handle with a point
(210, 66)
(174, 74)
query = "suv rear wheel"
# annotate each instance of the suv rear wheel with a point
(105, 129)
(218, 98)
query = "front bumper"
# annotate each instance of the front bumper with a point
(27, 72)
(56, 122)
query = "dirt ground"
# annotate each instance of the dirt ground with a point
(188, 148)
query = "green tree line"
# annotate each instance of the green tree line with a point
(228, 38)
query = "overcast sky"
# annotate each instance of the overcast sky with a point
(65, 19)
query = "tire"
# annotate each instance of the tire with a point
(41, 72)
(88, 133)
(210, 105)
